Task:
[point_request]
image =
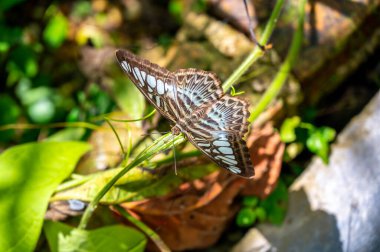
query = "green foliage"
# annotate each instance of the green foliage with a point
(199, 5)
(56, 30)
(23, 61)
(29, 175)
(135, 185)
(9, 36)
(12, 114)
(317, 140)
(272, 209)
(7, 4)
(246, 217)
(113, 238)
(288, 129)
(128, 97)
(250, 201)
(275, 205)
(176, 9)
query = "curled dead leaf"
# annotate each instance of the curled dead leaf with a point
(266, 151)
(195, 215)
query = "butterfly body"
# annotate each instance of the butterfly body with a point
(194, 102)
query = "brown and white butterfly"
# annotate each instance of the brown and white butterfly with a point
(193, 100)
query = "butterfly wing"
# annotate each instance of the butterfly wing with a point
(156, 83)
(219, 134)
(196, 88)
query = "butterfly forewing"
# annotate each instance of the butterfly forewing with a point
(156, 83)
(196, 88)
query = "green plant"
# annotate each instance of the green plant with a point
(52, 162)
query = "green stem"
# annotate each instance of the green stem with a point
(257, 52)
(148, 231)
(117, 136)
(163, 143)
(285, 68)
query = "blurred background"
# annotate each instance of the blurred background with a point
(58, 66)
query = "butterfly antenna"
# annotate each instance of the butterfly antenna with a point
(250, 28)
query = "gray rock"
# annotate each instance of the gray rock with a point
(334, 207)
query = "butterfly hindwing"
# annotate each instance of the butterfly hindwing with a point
(156, 83)
(227, 149)
(220, 135)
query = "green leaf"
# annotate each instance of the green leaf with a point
(56, 30)
(261, 214)
(23, 59)
(246, 217)
(12, 115)
(176, 9)
(7, 4)
(288, 129)
(113, 238)
(276, 204)
(250, 201)
(135, 185)
(68, 134)
(9, 36)
(29, 175)
(318, 142)
(128, 97)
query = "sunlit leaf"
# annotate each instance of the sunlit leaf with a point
(246, 217)
(318, 142)
(68, 134)
(287, 131)
(135, 185)
(113, 238)
(56, 30)
(29, 175)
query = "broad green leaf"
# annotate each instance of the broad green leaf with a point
(128, 97)
(56, 30)
(287, 131)
(29, 175)
(135, 185)
(113, 238)
(67, 134)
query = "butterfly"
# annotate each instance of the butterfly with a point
(193, 100)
